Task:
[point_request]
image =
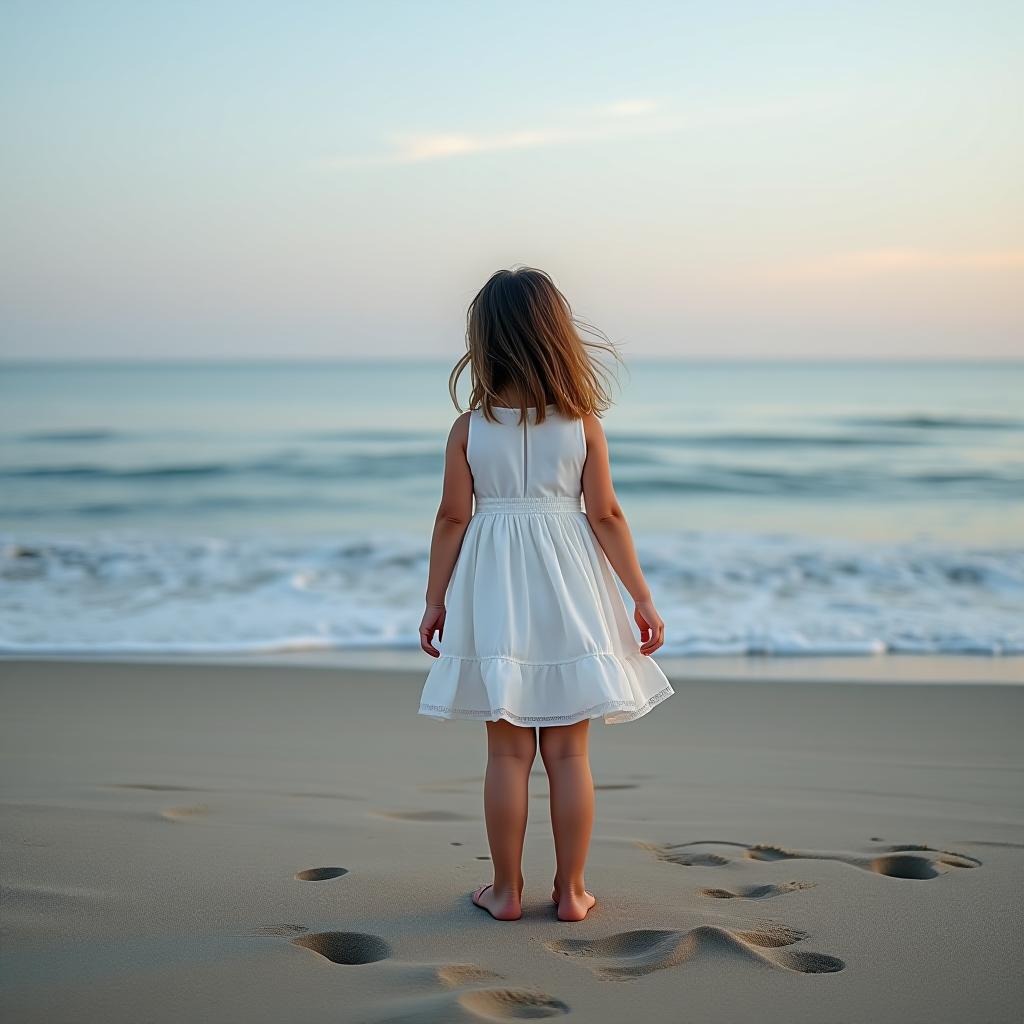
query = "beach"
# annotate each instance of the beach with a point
(273, 841)
(335, 336)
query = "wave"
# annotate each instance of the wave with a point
(360, 465)
(93, 472)
(72, 436)
(719, 594)
(690, 439)
(650, 472)
(104, 435)
(139, 510)
(928, 422)
(757, 440)
(842, 481)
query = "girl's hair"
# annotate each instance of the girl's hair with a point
(522, 339)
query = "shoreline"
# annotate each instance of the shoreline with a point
(881, 669)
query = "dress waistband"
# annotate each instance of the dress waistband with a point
(545, 503)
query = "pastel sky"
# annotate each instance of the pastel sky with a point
(219, 179)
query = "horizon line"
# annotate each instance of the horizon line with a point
(407, 359)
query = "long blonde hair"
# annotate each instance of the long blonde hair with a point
(522, 338)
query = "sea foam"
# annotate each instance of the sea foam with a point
(720, 594)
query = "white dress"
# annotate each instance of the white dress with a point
(536, 631)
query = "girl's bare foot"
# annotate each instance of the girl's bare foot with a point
(575, 905)
(502, 906)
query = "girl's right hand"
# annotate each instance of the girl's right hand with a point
(652, 628)
(432, 621)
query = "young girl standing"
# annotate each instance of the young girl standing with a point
(532, 628)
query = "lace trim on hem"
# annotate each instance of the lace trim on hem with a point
(540, 664)
(591, 712)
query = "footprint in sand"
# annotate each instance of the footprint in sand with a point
(185, 813)
(756, 892)
(511, 1004)
(687, 858)
(633, 954)
(319, 874)
(486, 1004)
(972, 842)
(362, 948)
(909, 860)
(346, 947)
(495, 1004)
(421, 815)
(489, 1004)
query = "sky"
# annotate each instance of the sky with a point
(337, 180)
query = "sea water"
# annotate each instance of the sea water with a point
(778, 508)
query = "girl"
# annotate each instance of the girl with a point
(538, 634)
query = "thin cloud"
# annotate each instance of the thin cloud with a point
(416, 148)
(411, 149)
(618, 120)
(631, 108)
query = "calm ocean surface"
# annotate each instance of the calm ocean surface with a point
(777, 508)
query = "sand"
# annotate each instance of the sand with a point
(272, 843)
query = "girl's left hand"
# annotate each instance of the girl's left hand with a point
(433, 619)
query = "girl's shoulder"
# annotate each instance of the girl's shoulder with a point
(593, 428)
(459, 431)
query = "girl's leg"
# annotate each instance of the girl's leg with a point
(510, 754)
(564, 751)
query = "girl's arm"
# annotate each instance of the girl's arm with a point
(608, 522)
(453, 515)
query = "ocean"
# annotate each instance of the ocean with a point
(778, 508)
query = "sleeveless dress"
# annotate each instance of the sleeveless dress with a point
(536, 631)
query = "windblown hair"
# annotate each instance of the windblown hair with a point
(522, 339)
